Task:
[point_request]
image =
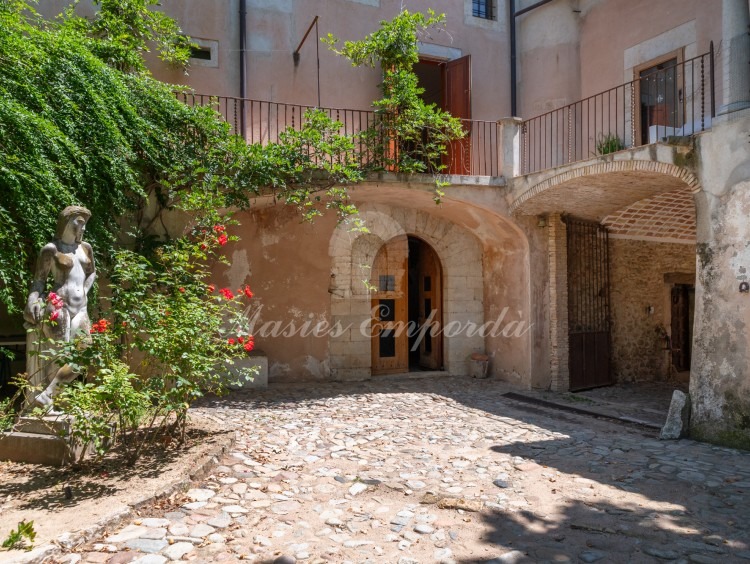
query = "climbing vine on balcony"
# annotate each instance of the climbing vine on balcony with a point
(410, 135)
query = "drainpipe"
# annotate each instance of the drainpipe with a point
(243, 86)
(513, 80)
(735, 47)
(513, 71)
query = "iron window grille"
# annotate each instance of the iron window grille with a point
(484, 9)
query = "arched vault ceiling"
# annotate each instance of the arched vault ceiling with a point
(666, 216)
(597, 196)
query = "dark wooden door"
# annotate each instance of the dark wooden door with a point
(390, 342)
(457, 96)
(681, 324)
(588, 305)
(430, 308)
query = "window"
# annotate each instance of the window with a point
(204, 52)
(484, 9)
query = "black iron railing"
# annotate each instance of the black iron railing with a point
(671, 100)
(476, 154)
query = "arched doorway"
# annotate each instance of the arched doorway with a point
(407, 307)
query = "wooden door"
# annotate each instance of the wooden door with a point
(457, 96)
(681, 323)
(390, 342)
(430, 309)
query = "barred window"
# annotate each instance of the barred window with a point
(483, 9)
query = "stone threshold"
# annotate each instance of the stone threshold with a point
(590, 412)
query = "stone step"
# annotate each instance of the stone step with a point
(58, 425)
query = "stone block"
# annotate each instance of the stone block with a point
(256, 358)
(678, 418)
(35, 448)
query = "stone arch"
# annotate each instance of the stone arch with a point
(689, 179)
(352, 254)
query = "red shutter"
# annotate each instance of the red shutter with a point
(458, 103)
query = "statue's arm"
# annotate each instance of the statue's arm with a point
(34, 304)
(91, 273)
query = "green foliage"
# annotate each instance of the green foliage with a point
(125, 28)
(22, 537)
(609, 143)
(81, 122)
(75, 130)
(409, 136)
(168, 339)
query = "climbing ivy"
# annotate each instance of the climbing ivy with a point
(83, 122)
(410, 135)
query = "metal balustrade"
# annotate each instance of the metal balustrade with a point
(674, 101)
(260, 121)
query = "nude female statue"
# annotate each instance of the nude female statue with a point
(70, 261)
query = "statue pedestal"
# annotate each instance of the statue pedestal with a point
(44, 440)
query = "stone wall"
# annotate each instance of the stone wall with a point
(638, 270)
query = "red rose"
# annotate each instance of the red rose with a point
(211, 288)
(230, 341)
(248, 292)
(54, 315)
(222, 239)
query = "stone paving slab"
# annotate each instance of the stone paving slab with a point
(440, 470)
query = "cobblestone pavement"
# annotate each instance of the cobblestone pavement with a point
(441, 470)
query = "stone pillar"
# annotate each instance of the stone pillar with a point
(735, 55)
(510, 146)
(558, 303)
(720, 368)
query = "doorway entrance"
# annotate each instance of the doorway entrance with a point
(660, 93)
(447, 84)
(406, 307)
(682, 312)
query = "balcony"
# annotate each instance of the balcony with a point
(673, 100)
(262, 122)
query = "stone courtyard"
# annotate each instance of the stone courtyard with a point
(439, 470)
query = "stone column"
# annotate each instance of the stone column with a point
(720, 366)
(510, 146)
(558, 303)
(735, 54)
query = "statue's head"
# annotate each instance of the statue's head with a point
(72, 220)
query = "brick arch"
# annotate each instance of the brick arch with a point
(615, 166)
(352, 255)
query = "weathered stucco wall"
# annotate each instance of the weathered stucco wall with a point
(637, 271)
(720, 378)
(312, 273)
(618, 36)
(285, 261)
